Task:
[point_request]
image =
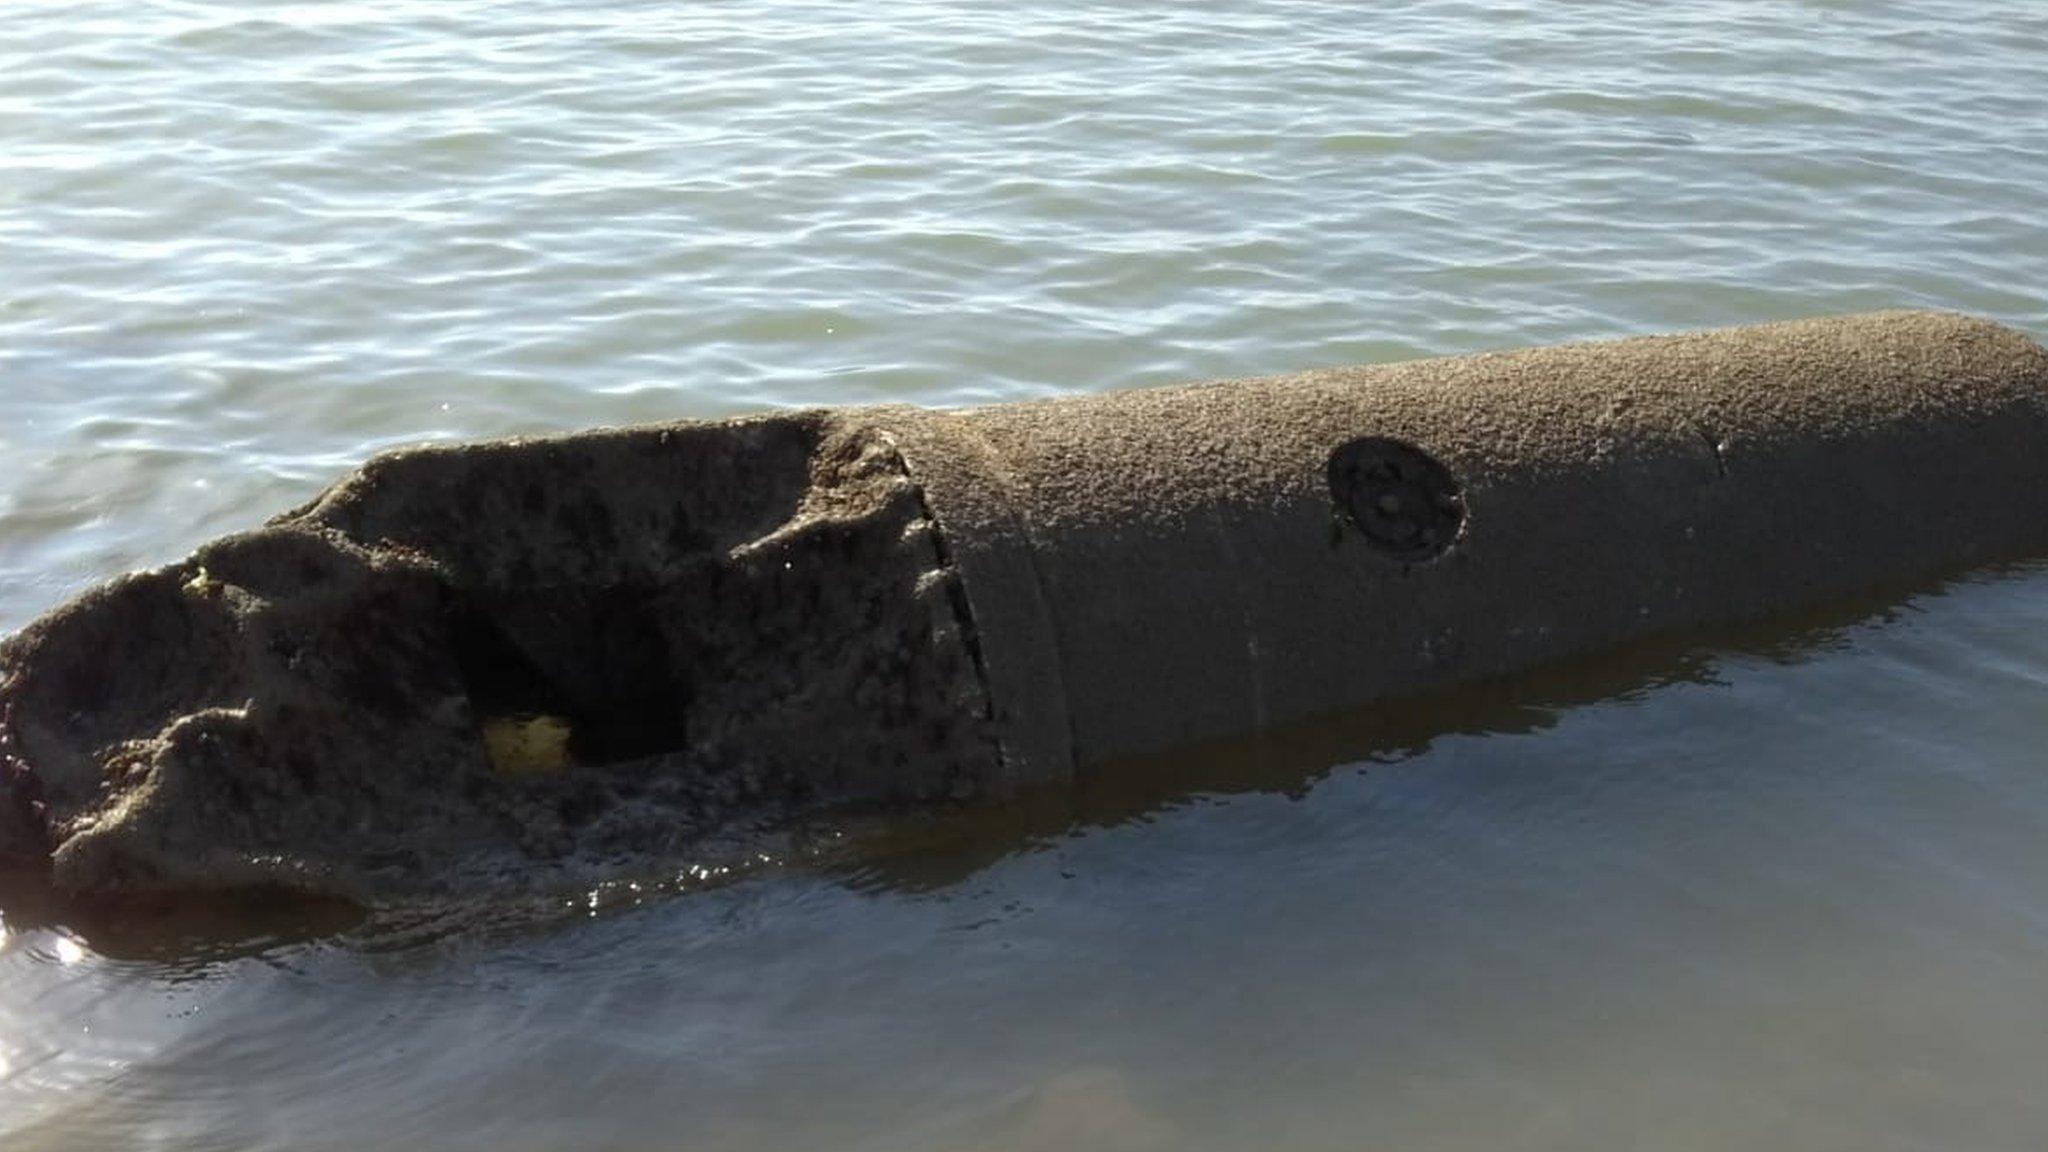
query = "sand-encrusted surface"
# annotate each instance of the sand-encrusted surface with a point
(542, 663)
(507, 665)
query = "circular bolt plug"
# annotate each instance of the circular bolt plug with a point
(1405, 504)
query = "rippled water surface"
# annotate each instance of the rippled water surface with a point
(1771, 891)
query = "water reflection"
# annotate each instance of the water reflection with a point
(177, 933)
(1797, 868)
(934, 851)
(931, 850)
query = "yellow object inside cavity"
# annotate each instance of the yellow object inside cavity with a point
(527, 745)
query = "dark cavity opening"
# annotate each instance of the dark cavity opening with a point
(600, 660)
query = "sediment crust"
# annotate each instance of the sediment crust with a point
(1156, 567)
(535, 663)
(505, 665)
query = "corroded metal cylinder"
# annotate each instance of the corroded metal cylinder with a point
(537, 662)
(1151, 567)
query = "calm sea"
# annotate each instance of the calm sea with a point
(1779, 889)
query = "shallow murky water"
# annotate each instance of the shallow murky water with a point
(1776, 889)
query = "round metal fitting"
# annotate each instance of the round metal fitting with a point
(1405, 503)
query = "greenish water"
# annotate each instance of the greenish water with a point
(1779, 889)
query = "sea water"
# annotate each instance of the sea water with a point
(1781, 888)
